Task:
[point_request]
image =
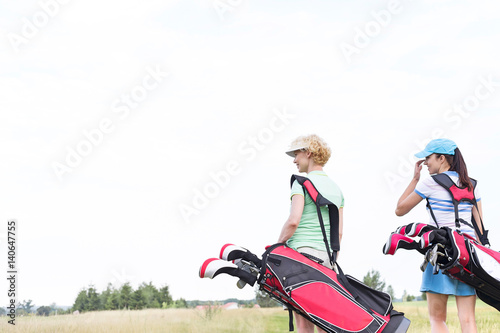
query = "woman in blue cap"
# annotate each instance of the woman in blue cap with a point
(443, 156)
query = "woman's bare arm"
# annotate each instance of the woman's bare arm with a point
(293, 220)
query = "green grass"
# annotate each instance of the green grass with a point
(273, 320)
(276, 321)
(487, 318)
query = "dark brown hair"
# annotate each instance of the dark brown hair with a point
(457, 164)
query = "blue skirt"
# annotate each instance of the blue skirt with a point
(442, 284)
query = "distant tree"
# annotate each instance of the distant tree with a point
(136, 300)
(146, 296)
(21, 312)
(424, 296)
(2, 311)
(125, 295)
(60, 311)
(150, 295)
(113, 300)
(249, 305)
(373, 280)
(55, 310)
(180, 303)
(25, 306)
(165, 296)
(94, 303)
(43, 311)
(81, 302)
(154, 305)
(104, 296)
(405, 296)
(28, 306)
(390, 291)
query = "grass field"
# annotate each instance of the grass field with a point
(230, 321)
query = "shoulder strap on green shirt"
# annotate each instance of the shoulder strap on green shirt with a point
(333, 212)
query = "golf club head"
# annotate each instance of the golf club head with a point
(231, 252)
(213, 267)
(397, 241)
(248, 267)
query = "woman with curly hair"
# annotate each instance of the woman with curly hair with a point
(302, 230)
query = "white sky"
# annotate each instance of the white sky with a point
(223, 74)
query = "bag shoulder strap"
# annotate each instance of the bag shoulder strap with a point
(461, 194)
(333, 213)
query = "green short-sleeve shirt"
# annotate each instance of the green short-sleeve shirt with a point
(308, 232)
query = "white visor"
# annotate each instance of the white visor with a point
(290, 152)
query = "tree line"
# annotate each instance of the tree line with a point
(374, 280)
(27, 307)
(146, 296)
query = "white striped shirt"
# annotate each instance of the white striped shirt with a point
(442, 205)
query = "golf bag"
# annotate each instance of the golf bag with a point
(454, 253)
(331, 300)
(457, 255)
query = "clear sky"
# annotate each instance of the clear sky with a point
(138, 138)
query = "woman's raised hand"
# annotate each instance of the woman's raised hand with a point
(418, 168)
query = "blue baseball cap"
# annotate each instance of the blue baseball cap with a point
(438, 146)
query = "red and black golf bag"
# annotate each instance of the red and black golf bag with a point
(331, 300)
(456, 254)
